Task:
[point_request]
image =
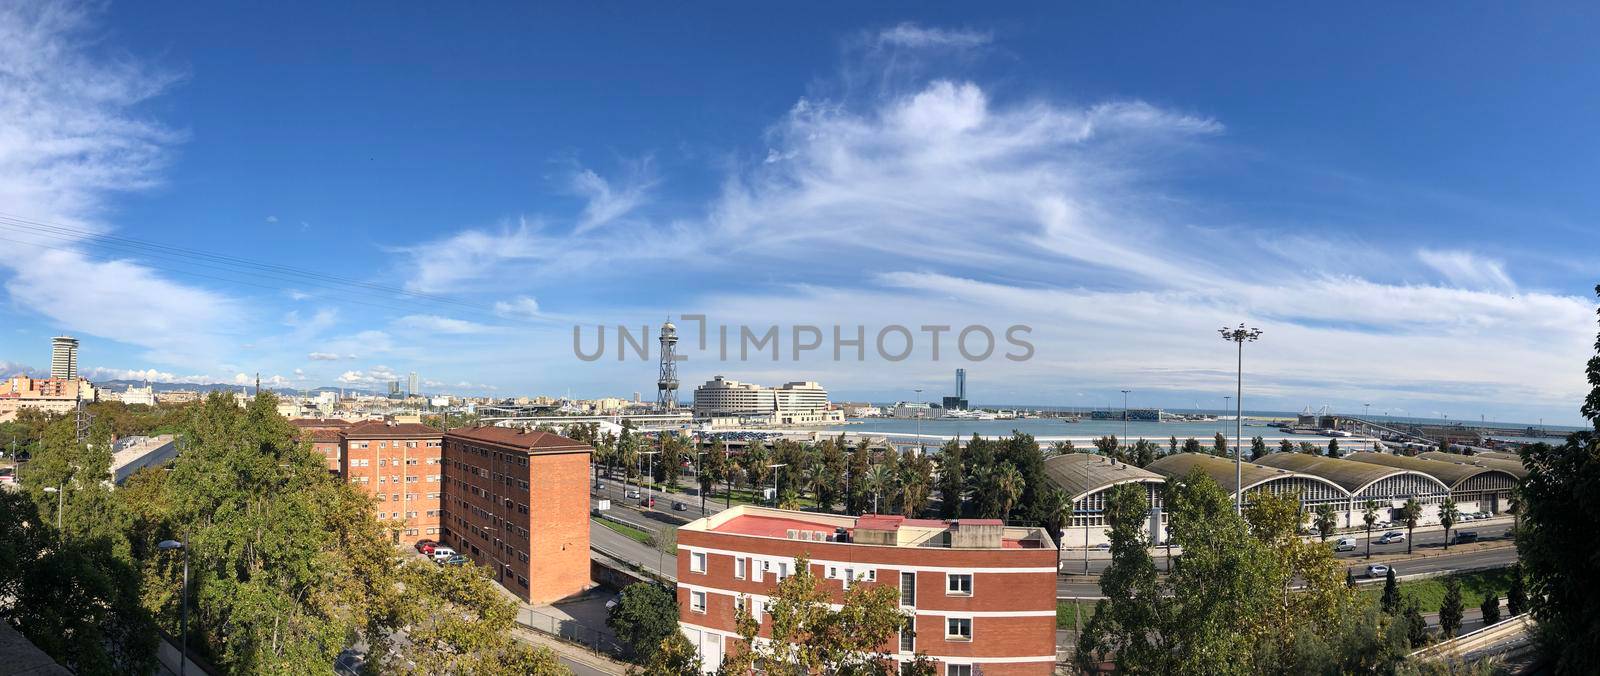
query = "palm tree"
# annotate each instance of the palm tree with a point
(1057, 511)
(1411, 512)
(816, 480)
(1008, 483)
(878, 479)
(1447, 518)
(1325, 520)
(1369, 514)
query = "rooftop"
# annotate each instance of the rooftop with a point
(1350, 475)
(522, 439)
(1450, 473)
(1513, 468)
(1080, 474)
(871, 529)
(1221, 470)
(378, 429)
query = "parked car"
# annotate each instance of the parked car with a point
(426, 546)
(456, 560)
(441, 553)
(1377, 570)
(1104, 546)
(1465, 536)
(679, 507)
(1464, 518)
(1484, 515)
(1345, 545)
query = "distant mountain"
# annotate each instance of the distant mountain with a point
(120, 385)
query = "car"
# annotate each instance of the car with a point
(1345, 545)
(1377, 570)
(457, 560)
(1465, 536)
(426, 546)
(1464, 518)
(599, 485)
(1394, 533)
(1104, 546)
(441, 553)
(648, 502)
(1391, 538)
(1484, 515)
(679, 507)
(633, 494)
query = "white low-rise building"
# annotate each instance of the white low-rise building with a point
(793, 403)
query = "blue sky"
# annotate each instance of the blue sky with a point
(1401, 197)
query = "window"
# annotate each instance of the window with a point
(697, 601)
(958, 628)
(908, 589)
(740, 602)
(738, 567)
(757, 568)
(958, 670)
(697, 562)
(849, 576)
(958, 584)
(908, 640)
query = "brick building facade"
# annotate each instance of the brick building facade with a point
(327, 439)
(399, 464)
(982, 595)
(517, 502)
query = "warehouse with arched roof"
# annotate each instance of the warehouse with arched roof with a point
(1513, 468)
(1086, 478)
(1389, 487)
(1499, 455)
(1474, 488)
(1313, 490)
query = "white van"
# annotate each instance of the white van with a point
(1345, 545)
(442, 553)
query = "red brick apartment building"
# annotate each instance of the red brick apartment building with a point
(327, 438)
(399, 465)
(982, 595)
(517, 502)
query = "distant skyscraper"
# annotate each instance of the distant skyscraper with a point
(959, 401)
(411, 384)
(64, 358)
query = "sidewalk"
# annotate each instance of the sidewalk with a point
(572, 654)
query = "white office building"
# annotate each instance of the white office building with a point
(794, 403)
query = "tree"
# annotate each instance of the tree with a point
(1172, 445)
(673, 450)
(1143, 453)
(856, 491)
(674, 656)
(880, 479)
(1191, 445)
(1008, 483)
(952, 480)
(1450, 609)
(1369, 516)
(832, 461)
(1219, 446)
(1133, 605)
(1058, 512)
(1333, 448)
(645, 615)
(456, 622)
(1258, 448)
(1555, 540)
(808, 636)
(1285, 446)
(1108, 446)
(1448, 513)
(1411, 513)
(1416, 626)
(917, 480)
(1390, 603)
(1517, 595)
(1308, 448)
(1325, 519)
(755, 461)
(1490, 608)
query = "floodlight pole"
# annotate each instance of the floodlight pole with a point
(1239, 336)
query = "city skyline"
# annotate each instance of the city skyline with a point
(885, 166)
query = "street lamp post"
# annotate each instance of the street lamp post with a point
(1239, 336)
(775, 468)
(61, 502)
(700, 478)
(1125, 415)
(919, 417)
(650, 473)
(183, 621)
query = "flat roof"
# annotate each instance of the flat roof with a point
(1350, 475)
(1221, 470)
(1449, 473)
(1081, 474)
(1513, 468)
(766, 522)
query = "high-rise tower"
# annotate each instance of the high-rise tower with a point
(64, 358)
(667, 382)
(961, 383)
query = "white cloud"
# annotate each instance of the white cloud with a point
(323, 356)
(607, 203)
(98, 374)
(69, 139)
(272, 219)
(1466, 269)
(912, 35)
(522, 307)
(441, 325)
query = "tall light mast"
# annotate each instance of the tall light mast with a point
(667, 382)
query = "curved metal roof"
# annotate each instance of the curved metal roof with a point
(1350, 475)
(1450, 473)
(1081, 474)
(1513, 468)
(1500, 455)
(1221, 470)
